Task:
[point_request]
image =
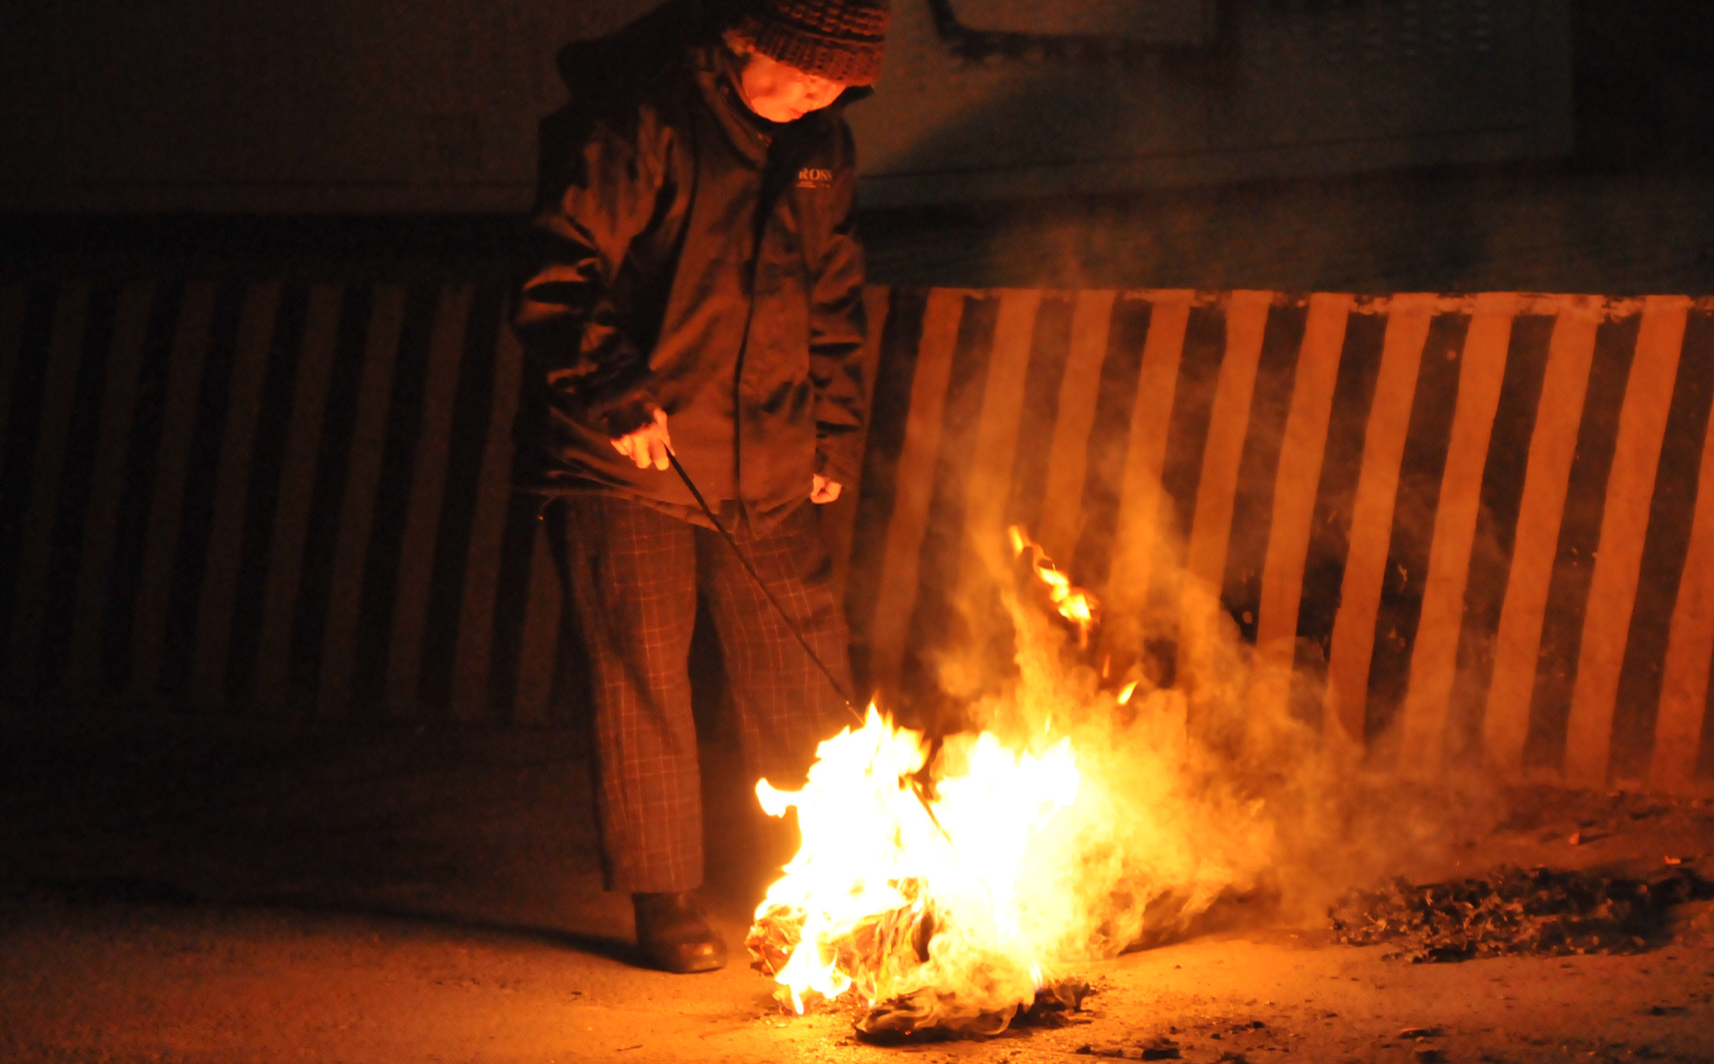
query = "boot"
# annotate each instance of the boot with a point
(674, 935)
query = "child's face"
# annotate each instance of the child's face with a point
(782, 93)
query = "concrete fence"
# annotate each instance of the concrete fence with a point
(1479, 525)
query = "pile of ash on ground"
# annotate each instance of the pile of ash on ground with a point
(1516, 910)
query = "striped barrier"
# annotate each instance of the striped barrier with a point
(1474, 525)
(1479, 519)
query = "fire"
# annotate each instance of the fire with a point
(1073, 603)
(957, 885)
(883, 901)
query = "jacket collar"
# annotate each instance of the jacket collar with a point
(750, 134)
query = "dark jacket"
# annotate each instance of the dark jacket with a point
(688, 254)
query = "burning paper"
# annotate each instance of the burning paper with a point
(1073, 603)
(882, 901)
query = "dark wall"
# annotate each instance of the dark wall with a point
(1629, 211)
(430, 105)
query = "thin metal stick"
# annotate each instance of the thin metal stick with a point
(919, 783)
(743, 559)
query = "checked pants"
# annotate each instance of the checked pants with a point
(633, 575)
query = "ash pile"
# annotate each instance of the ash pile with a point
(1516, 910)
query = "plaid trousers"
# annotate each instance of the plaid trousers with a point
(633, 574)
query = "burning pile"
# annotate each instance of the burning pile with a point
(920, 886)
(952, 886)
(948, 888)
(884, 901)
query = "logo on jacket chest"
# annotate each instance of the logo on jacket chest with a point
(814, 177)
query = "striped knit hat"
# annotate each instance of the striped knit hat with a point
(835, 39)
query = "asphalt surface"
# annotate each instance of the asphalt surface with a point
(195, 893)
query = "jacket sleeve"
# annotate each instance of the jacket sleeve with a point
(600, 184)
(837, 329)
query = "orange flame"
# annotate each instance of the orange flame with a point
(879, 899)
(1074, 604)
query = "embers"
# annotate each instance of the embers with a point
(1516, 910)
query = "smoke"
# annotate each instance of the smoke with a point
(1094, 799)
(1210, 790)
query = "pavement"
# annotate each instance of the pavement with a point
(187, 891)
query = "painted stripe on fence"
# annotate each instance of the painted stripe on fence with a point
(262, 495)
(142, 476)
(1050, 350)
(889, 414)
(940, 621)
(1671, 515)
(1501, 496)
(1204, 350)
(1217, 487)
(1090, 323)
(207, 498)
(986, 488)
(1372, 512)
(65, 355)
(77, 474)
(1579, 541)
(1434, 656)
(1682, 715)
(1553, 446)
(107, 482)
(1137, 525)
(378, 614)
(839, 518)
(166, 509)
(472, 409)
(311, 612)
(428, 484)
(1421, 470)
(232, 484)
(1291, 524)
(1335, 501)
(895, 604)
(470, 699)
(356, 512)
(1624, 527)
(201, 502)
(77, 469)
(1258, 468)
(1109, 443)
(271, 687)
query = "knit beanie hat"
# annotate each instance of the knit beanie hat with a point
(835, 39)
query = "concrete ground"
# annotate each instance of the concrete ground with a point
(206, 891)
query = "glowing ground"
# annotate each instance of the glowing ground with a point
(243, 893)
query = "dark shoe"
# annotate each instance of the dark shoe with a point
(673, 934)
